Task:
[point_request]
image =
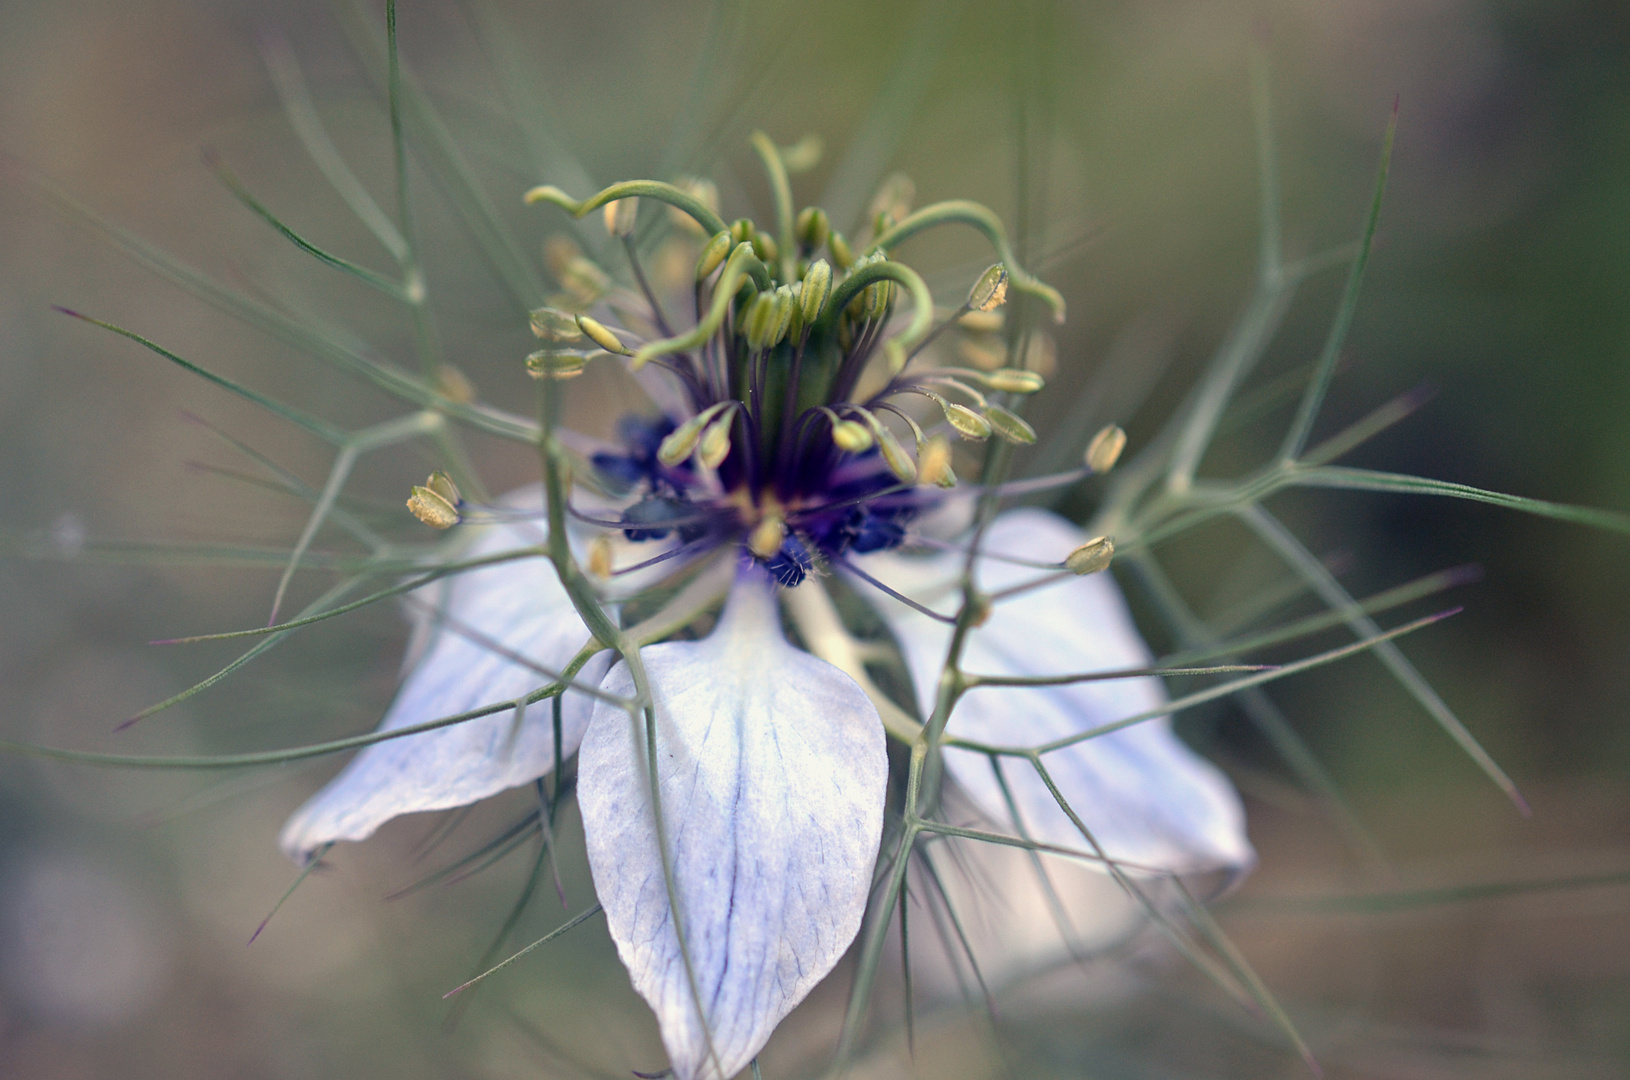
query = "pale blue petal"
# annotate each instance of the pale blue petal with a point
(492, 617)
(1145, 797)
(772, 778)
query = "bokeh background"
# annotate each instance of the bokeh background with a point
(1501, 279)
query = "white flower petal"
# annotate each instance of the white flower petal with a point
(772, 777)
(1146, 798)
(517, 606)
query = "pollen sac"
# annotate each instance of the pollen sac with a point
(1014, 381)
(893, 198)
(601, 336)
(1010, 426)
(443, 485)
(851, 437)
(582, 281)
(715, 444)
(781, 314)
(559, 364)
(812, 228)
(815, 286)
(934, 464)
(843, 256)
(552, 324)
(742, 231)
(759, 323)
(454, 385)
(679, 443)
(600, 557)
(432, 507)
(1105, 449)
(713, 254)
(620, 215)
(990, 291)
(968, 424)
(765, 247)
(1091, 557)
(804, 154)
(895, 456)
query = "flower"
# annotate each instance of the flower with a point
(734, 787)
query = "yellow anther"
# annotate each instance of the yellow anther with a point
(713, 254)
(620, 215)
(843, 256)
(600, 557)
(715, 445)
(454, 385)
(852, 438)
(1090, 557)
(968, 424)
(551, 324)
(432, 509)
(443, 485)
(816, 285)
(1105, 449)
(990, 291)
(597, 333)
(557, 364)
(1014, 381)
(1010, 425)
(934, 463)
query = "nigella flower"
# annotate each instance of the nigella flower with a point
(734, 784)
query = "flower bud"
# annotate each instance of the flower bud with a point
(597, 333)
(843, 256)
(1010, 425)
(1090, 557)
(767, 536)
(990, 291)
(620, 215)
(552, 324)
(742, 231)
(713, 253)
(1105, 449)
(600, 557)
(852, 437)
(812, 228)
(812, 297)
(934, 463)
(968, 424)
(1014, 381)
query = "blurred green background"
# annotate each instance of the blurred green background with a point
(1501, 278)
